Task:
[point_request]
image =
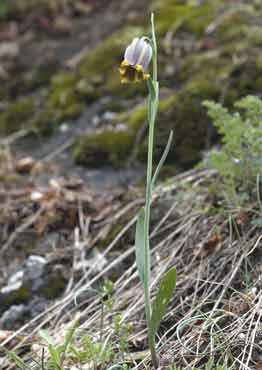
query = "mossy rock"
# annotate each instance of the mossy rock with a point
(181, 112)
(103, 148)
(54, 285)
(16, 116)
(44, 122)
(23, 114)
(68, 95)
(17, 296)
(64, 98)
(193, 18)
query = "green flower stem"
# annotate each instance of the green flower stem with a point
(153, 106)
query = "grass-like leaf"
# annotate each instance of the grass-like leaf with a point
(70, 335)
(164, 294)
(140, 244)
(17, 360)
(46, 337)
(55, 355)
(162, 160)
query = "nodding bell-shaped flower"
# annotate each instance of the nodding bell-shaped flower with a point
(136, 61)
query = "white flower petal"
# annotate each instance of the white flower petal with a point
(130, 51)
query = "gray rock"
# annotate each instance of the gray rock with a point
(34, 271)
(35, 278)
(14, 315)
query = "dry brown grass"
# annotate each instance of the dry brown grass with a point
(217, 309)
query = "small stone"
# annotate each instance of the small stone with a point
(64, 127)
(34, 271)
(25, 165)
(9, 50)
(36, 196)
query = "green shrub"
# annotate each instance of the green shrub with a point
(239, 161)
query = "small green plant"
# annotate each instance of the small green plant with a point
(239, 162)
(59, 353)
(138, 56)
(107, 294)
(122, 331)
(96, 353)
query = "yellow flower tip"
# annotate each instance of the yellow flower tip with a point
(125, 63)
(122, 71)
(146, 76)
(139, 68)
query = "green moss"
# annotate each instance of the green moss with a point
(54, 286)
(16, 116)
(20, 295)
(5, 10)
(233, 27)
(44, 122)
(186, 17)
(104, 57)
(98, 149)
(217, 66)
(138, 116)
(68, 94)
(64, 99)
(183, 113)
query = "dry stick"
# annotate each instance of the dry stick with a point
(59, 150)
(12, 138)
(90, 321)
(250, 320)
(258, 321)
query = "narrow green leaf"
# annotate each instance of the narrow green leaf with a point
(164, 294)
(18, 361)
(152, 89)
(46, 337)
(162, 160)
(54, 353)
(70, 335)
(140, 244)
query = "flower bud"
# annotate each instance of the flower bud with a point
(136, 61)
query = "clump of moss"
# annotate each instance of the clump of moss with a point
(16, 116)
(102, 148)
(44, 122)
(64, 99)
(23, 114)
(21, 295)
(55, 284)
(193, 18)
(68, 94)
